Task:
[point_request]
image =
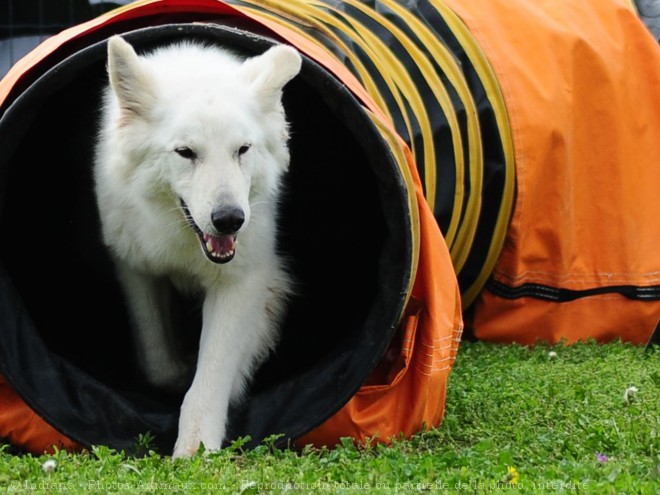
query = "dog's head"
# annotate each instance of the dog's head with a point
(204, 131)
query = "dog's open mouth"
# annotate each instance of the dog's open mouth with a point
(217, 248)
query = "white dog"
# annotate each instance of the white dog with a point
(191, 151)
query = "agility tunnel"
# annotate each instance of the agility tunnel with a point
(496, 161)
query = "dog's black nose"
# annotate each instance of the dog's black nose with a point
(227, 219)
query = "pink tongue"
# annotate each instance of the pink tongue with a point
(223, 244)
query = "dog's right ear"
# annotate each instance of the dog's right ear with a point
(130, 81)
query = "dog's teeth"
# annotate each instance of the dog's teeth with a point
(209, 246)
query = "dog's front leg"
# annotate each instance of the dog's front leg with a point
(149, 298)
(235, 332)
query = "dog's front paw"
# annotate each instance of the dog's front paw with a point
(187, 446)
(199, 423)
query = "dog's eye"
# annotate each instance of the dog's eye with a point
(185, 152)
(243, 149)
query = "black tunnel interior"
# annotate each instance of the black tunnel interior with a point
(64, 336)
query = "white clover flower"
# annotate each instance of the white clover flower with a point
(630, 393)
(552, 355)
(49, 466)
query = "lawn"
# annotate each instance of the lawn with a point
(548, 419)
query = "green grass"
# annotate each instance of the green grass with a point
(514, 414)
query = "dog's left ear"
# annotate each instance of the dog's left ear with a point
(269, 72)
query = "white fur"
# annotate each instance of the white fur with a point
(213, 103)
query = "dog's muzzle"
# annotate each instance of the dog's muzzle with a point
(218, 248)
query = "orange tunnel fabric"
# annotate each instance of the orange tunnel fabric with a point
(581, 82)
